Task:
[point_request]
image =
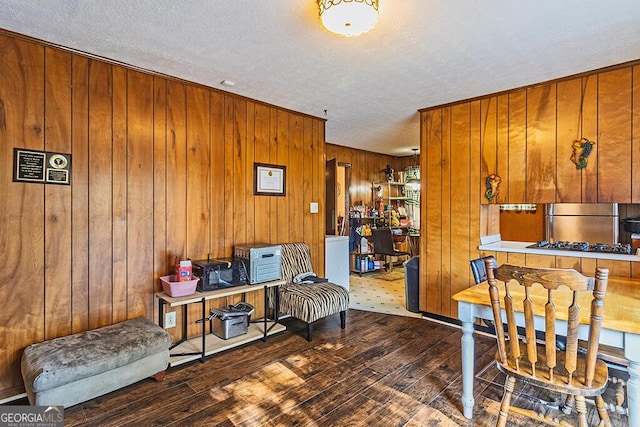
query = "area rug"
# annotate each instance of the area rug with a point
(380, 292)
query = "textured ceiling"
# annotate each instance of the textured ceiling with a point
(421, 53)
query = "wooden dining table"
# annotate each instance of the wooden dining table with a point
(620, 328)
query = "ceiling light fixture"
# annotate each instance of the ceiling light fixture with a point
(348, 17)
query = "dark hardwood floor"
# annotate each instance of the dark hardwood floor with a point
(383, 370)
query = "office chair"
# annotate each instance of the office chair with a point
(479, 270)
(383, 245)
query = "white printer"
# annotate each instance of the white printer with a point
(263, 261)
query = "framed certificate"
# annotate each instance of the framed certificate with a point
(269, 180)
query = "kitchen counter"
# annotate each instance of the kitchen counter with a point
(494, 243)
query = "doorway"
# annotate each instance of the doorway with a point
(338, 181)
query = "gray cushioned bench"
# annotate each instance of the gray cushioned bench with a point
(68, 370)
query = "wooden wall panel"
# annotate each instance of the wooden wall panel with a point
(517, 124)
(261, 153)
(569, 103)
(502, 147)
(431, 221)
(57, 239)
(296, 189)
(589, 129)
(161, 169)
(160, 238)
(80, 194)
(282, 158)
(217, 174)
(538, 127)
(365, 169)
(120, 169)
(461, 190)
(635, 136)
(488, 140)
(198, 167)
(139, 288)
(22, 207)
(445, 225)
(614, 136)
(541, 144)
(100, 194)
(476, 182)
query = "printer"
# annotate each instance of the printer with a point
(263, 261)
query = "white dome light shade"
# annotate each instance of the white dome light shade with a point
(348, 17)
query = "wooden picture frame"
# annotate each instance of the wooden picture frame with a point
(269, 180)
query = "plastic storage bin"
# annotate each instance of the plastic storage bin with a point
(178, 289)
(412, 284)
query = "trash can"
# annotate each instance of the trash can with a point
(412, 284)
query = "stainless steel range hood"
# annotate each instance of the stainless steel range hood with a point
(582, 222)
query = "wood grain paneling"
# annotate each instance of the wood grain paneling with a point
(161, 168)
(140, 274)
(80, 194)
(635, 136)
(517, 176)
(461, 189)
(502, 147)
(541, 144)
(445, 224)
(614, 136)
(365, 169)
(488, 140)
(120, 170)
(100, 194)
(431, 221)
(57, 227)
(569, 178)
(22, 207)
(525, 135)
(589, 129)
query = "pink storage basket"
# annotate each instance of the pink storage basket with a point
(178, 289)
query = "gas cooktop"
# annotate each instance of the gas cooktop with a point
(618, 248)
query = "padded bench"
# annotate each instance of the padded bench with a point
(311, 301)
(69, 370)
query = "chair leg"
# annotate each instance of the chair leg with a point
(309, 332)
(581, 409)
(343, 319)
(506, 402)
(602, 411)
(569, 404)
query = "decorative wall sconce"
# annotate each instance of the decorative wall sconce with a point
(492, 183)
(581, 151)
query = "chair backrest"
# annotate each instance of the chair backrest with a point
(383, 241)
(564, 290)
(296, 259)
(479, 270)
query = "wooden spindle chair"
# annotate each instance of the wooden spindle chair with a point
(574, 374)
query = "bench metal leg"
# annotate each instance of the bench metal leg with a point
(343, 319)
(309, 332)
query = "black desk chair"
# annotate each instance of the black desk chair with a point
(479, 270)
(383, 245)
